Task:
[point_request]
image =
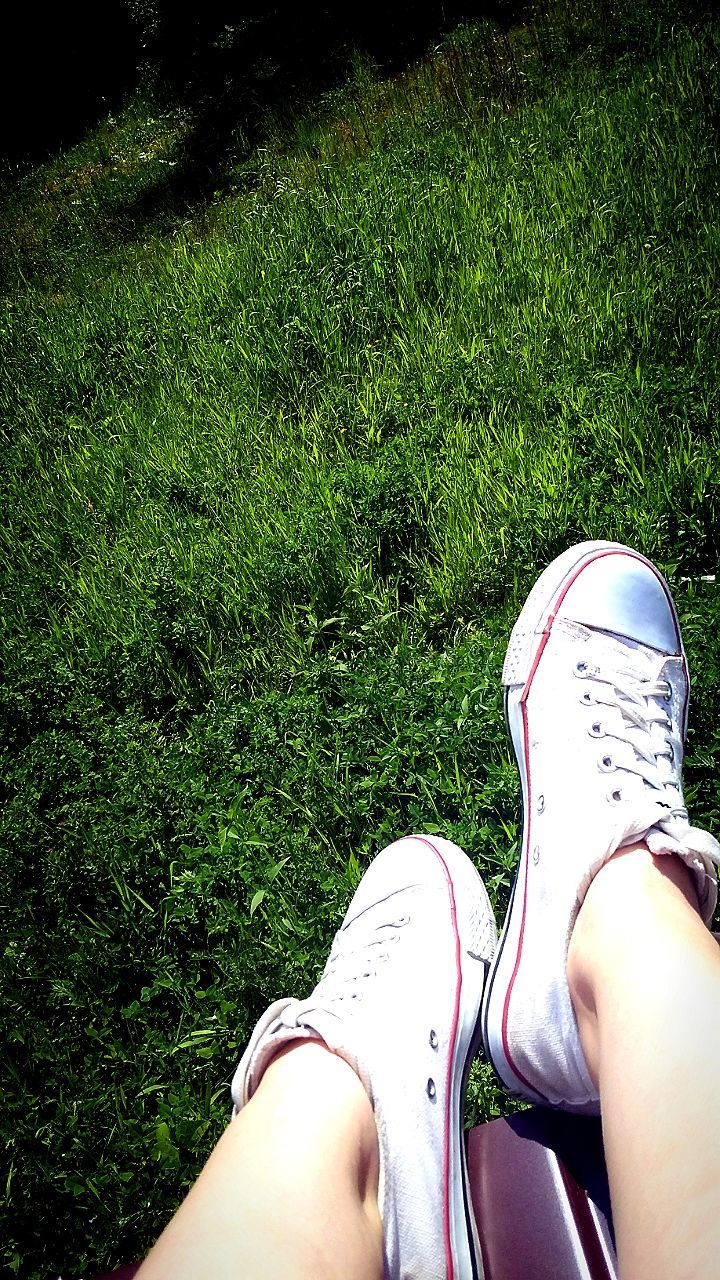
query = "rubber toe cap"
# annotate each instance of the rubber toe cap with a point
(622, 593)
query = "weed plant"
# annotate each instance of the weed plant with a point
(275, 482)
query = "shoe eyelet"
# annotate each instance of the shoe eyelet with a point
(671, 757)
(586, 698)
(433, 1040)
(540, 804)
(615, 795)
(668, 691)
(596, 730)
(536, 854)
(606, 764)
(581, 668)
(431, 1090)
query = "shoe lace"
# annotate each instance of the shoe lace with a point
(350, 967)
(643, 698)
(645, 725)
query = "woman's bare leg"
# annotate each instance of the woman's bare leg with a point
(291, 1188)
(644, 976)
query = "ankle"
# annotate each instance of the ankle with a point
(309, 1068)
(624, 910)
(638, 902)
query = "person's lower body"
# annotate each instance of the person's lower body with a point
(345, 1157)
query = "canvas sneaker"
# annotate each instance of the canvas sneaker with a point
(399, 1000)
(596, 700)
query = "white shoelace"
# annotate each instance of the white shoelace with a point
(350, 968)
(644, 725)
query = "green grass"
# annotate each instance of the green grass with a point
(276, 478)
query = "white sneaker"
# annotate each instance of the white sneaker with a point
(399, 1000)
(596, 702)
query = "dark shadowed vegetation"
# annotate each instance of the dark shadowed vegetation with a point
(226, 61)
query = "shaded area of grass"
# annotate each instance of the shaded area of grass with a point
(275, 483)
(224, 65)
(222, 118)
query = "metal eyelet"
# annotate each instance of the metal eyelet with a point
(671, 757)
(596, 730)
(615, 795)
(536, 854)
(668, 691)
(540, 803)
(586, 698)
(431, 1091)
(606, 764)
(581, 668)
(433, 1040)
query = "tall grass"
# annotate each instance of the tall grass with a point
(275, 482)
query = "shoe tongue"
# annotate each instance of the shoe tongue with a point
(623, 643)
(369, 897)
(629, 656)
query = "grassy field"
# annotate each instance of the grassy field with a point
(277, 474)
